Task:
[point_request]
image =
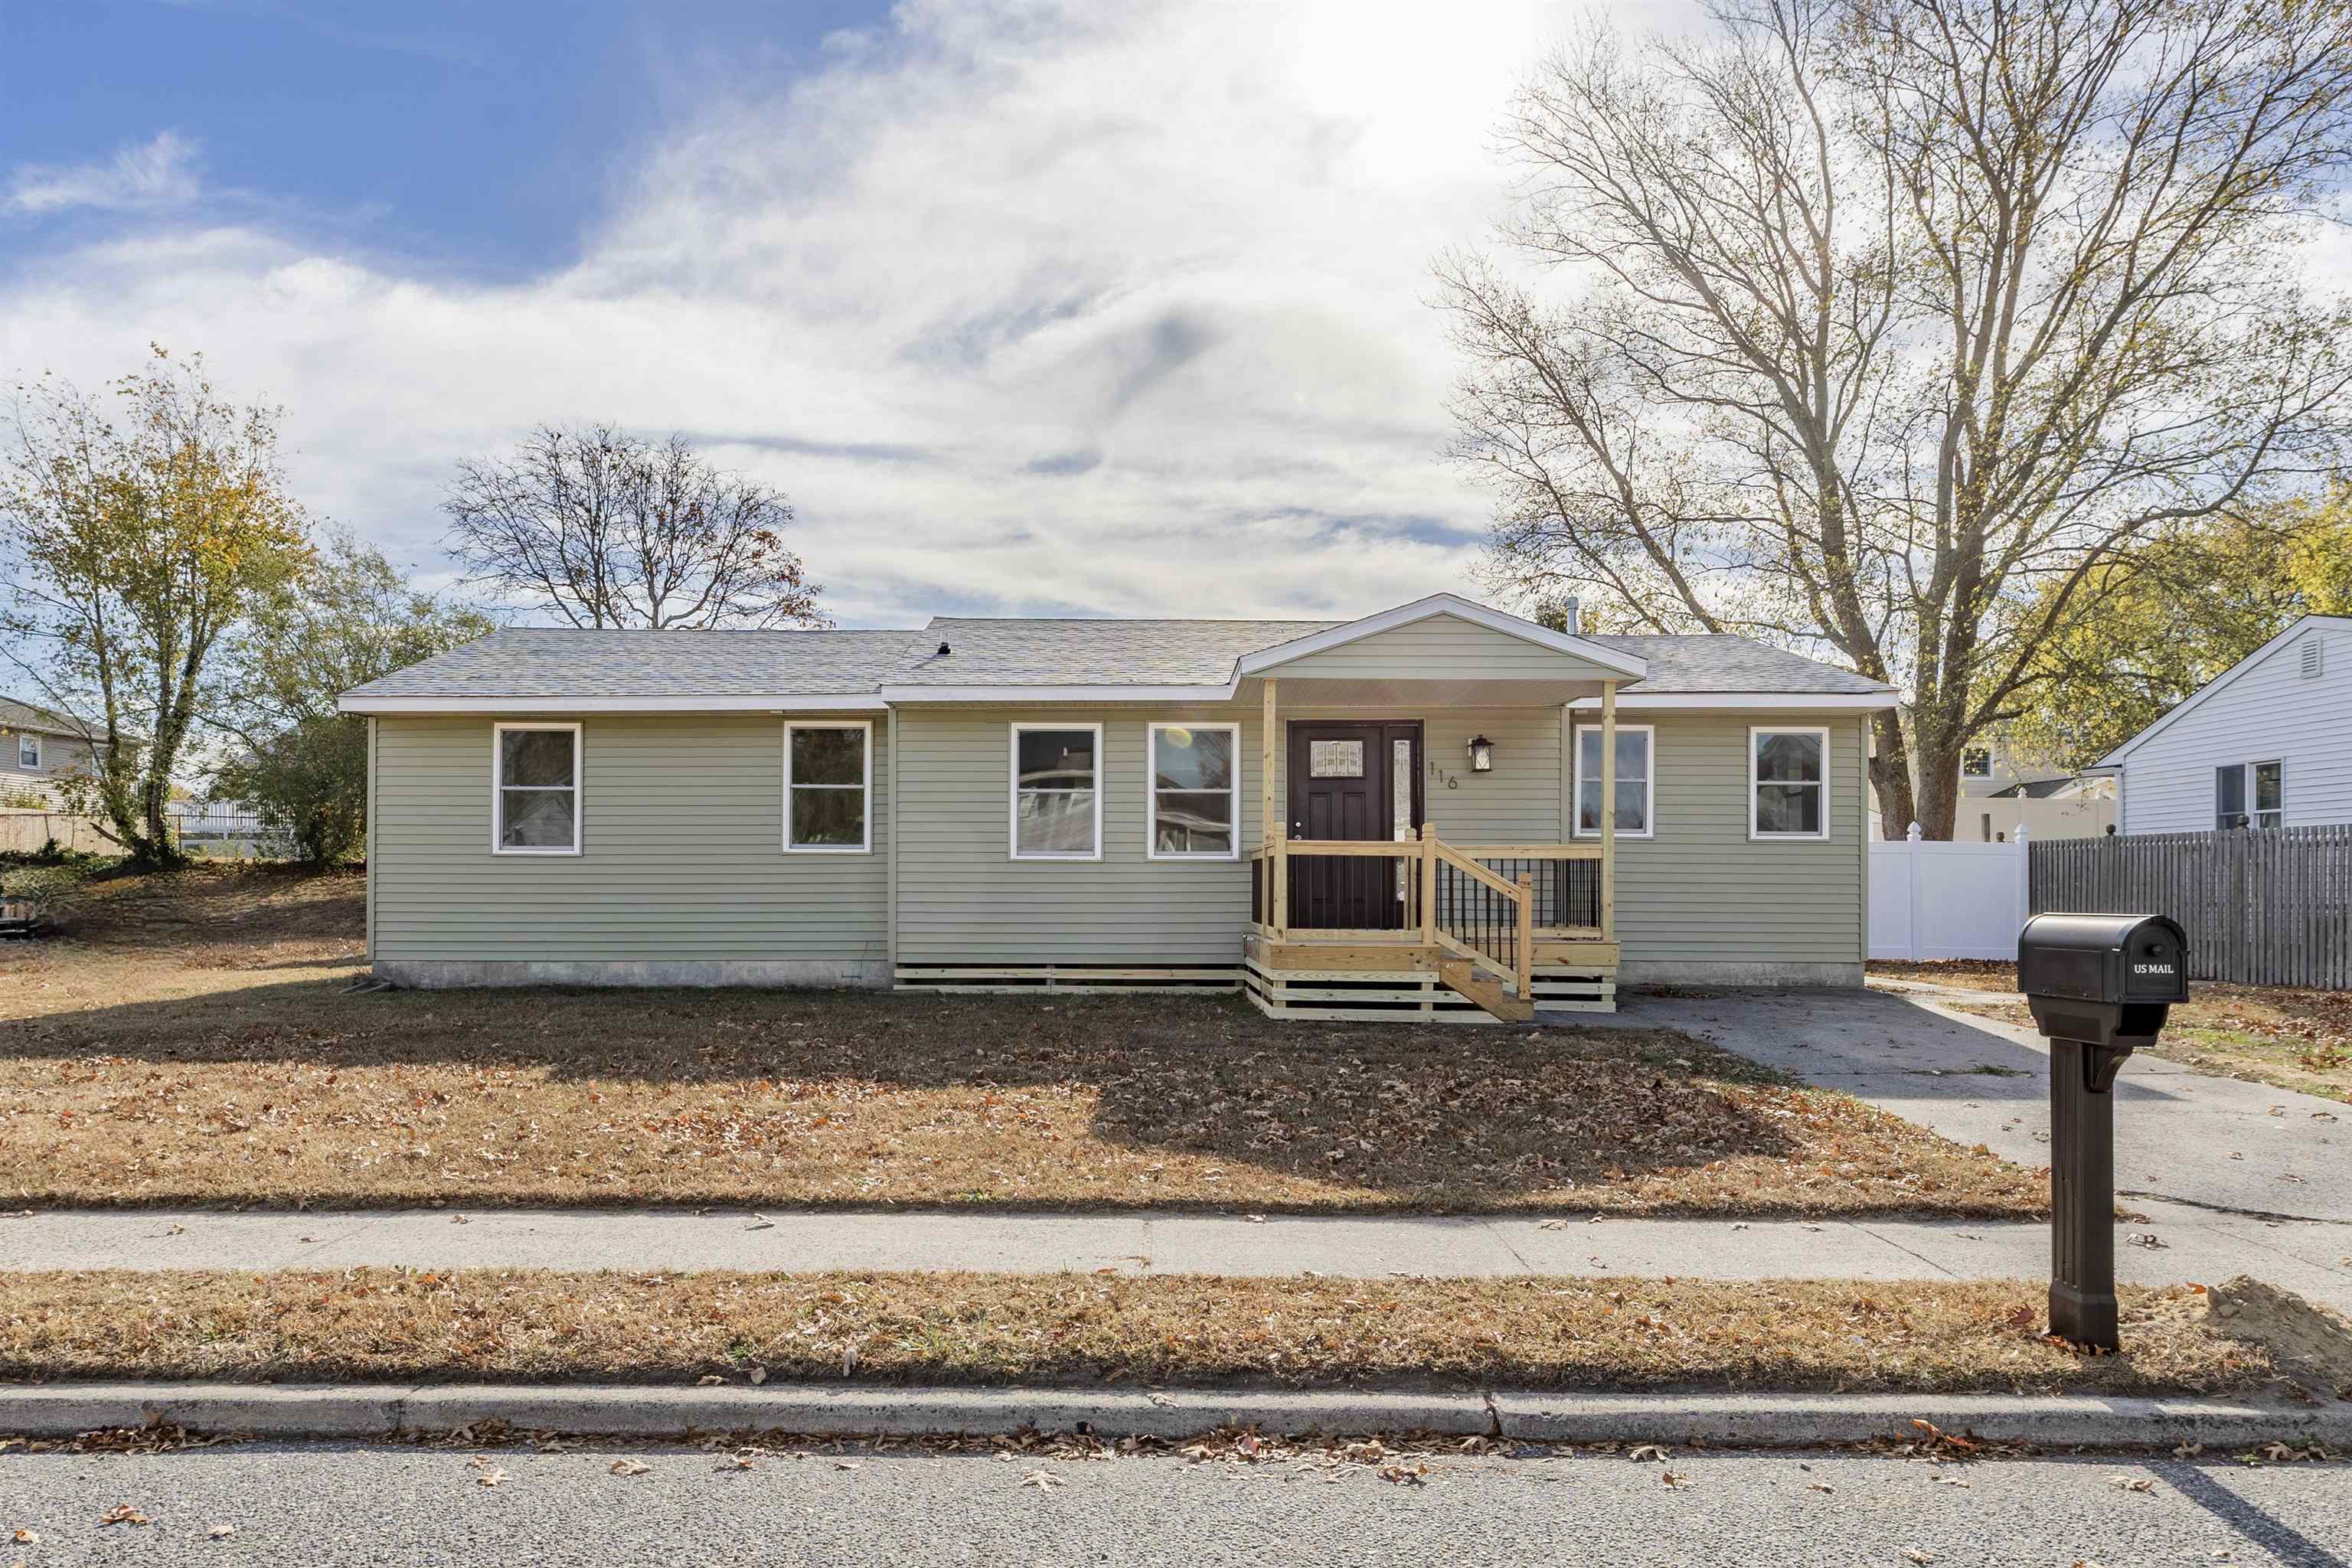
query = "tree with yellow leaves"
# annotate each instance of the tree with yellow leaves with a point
(138, 528)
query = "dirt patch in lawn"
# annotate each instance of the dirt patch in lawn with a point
(488, 1325)
(204, 1067)
(1966, 974)
(2265, 1033)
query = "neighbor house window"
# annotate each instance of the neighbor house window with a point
(2261, 783)
(828, 786)
(535, 808)
(1195, 791)
(28, 751)
(1976, 762)
(1635, 792)
(1788, 784)
(1057, 792)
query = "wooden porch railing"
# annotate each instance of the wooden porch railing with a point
(1485, 902)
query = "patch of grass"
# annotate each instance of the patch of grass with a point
(2294, 1039)
(1969, 973)
(490, 1325)
(168, 1055)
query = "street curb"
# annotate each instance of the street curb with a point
(1731, 1420)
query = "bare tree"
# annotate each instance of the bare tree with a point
(607, 529)
(1891, 321)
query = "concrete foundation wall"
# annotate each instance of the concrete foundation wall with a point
(1636, 973)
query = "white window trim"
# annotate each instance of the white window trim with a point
(1989, 763)
(34, 741)
(866, 787)
(2254, 814)
(1754, 834)
(1152, 793)
(498, 791)
(1576, 784)
(1013, 791)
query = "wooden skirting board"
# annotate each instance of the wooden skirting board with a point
(1407, 995)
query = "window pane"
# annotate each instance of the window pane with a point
(1335, 759)
(1192, 759)
(1192, 823)
(28, 752)
(1056, 822)
(2268, 787)
(1588, 804)
(829, 756)
(1057, 759)
(1786, 758)
(535, 756)
(1788, 809)
(822, 816)
(2229, 796)
(535, 818)
(1633, 780)
(1976, 762)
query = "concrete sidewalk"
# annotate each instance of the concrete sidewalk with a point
(2196, 1246)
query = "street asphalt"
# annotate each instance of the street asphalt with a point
(336, 1505)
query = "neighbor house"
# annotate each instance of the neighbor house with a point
(2004, 793)
(41, 753)
(1401, 814)
(2265, 743)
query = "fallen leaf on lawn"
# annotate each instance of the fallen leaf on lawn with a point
(1647, 1452)
(709, 1380)
(1044, 1480)
(122, 1513)
(1397, 1470)
(220, 1531)
(628, 1467)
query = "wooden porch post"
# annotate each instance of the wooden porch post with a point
(1609, 809)
(1428, 874)
(1272, 826)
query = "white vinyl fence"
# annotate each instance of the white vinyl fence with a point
(1947, 901)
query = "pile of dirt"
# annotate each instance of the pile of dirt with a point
(2311, 1344)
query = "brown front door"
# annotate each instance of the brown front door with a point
(1350, 781)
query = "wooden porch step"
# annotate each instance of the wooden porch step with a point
(1460, 974)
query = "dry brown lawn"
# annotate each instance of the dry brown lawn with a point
(1596, 1333)
(194, 1042)
(2266, 1034)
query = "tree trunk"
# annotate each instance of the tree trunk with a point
(1890, 776)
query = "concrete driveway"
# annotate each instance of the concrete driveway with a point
(2266, 1169)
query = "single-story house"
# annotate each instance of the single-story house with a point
(1396, 814)
(2265, 743)
(40, 750)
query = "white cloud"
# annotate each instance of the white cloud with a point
(160, 173)
(1028, 304)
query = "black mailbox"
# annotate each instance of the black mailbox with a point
(2105, 980)
(2100, 986)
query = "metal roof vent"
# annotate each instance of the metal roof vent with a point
(944, 650)
(2315, 657)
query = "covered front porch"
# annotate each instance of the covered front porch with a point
(1361, 911)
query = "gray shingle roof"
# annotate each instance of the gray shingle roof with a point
(557, 662)
(15, 715)
(1715, 661)
(562, 662)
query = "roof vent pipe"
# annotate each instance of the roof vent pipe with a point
(1568, 613)
(944, 650)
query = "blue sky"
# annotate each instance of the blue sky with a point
(475, 138)
(1032, 306)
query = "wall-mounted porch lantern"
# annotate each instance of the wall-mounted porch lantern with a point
(1482, 754)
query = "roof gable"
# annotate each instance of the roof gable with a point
(2222, 681)
(1612, 661)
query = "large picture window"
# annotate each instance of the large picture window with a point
(1788, 784)
(828, 788)
(1195, 792)
(1635, 790)
(1056, 792)
(535, 789)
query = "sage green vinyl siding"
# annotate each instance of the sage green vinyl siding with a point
(964, 899)
(681, 851)
(1441, 648)
(1703, 891)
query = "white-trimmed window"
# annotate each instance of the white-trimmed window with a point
(1976, 762)
(1195, 805)
(1636, 789)
(1787, 782)
(28, 751)
(829, 788)
(535, 789)
(2250, 795)
(1056, 784)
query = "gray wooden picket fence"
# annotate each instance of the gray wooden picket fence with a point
(2267, 908)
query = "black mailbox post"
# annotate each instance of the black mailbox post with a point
(2099, 985)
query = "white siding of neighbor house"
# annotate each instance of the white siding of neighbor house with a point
(62, 757)
(2270, 710)
(681, 851)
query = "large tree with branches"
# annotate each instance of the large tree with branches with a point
(605, 528)
(1886, 326)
